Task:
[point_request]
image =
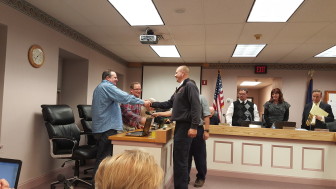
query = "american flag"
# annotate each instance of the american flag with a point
(218, 102)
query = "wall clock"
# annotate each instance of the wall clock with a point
(36, 56)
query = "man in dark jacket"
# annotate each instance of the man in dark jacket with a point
(316, 121)
(187, 114)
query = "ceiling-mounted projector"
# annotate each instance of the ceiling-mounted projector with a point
(149, 38)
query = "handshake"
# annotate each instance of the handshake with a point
(147, 103)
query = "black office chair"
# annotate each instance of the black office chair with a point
(84, 112)
(64, 136)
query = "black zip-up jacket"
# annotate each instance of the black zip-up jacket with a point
(185, 103)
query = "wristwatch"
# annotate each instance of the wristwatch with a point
(206, 130)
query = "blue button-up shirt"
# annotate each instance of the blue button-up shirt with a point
(106, 113)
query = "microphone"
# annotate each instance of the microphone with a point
(67, 184)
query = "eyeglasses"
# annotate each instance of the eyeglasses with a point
(137, 89)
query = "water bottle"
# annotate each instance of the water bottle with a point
(273, 126)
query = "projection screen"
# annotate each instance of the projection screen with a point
(158, 82)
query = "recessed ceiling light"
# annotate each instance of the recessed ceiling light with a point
(250, 83)
(273, 10)
(138, 12)
(169, 51)
(331, 52)
(250, 50)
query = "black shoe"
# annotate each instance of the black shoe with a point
(199, 182)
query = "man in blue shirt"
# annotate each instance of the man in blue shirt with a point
(106, 113)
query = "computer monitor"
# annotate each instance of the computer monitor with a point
(10, 170)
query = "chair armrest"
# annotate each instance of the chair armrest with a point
(74, 141)
(65, 138)
(86, 133)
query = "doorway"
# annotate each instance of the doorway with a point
(260, 93)
(72, 85)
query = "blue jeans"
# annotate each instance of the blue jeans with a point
(104, 147)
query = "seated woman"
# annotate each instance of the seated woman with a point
(276, 109)
(132, 169)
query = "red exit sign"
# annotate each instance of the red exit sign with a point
(260, 69)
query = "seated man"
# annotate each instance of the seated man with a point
(242, 110)
(131, 113)
(309, 121)
(213, 116)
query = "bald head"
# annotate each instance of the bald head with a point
(182, 73)
(184, 69)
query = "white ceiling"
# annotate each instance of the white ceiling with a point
(207, 32)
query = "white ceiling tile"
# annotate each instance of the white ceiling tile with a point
(188, 35)
(325, 36)
(207, 31)
(191, 51)
(194, 59)
(268, 32)
(227, 11)
(193, 12)
(274, 52)
(223, 33)
(315, 11)
(219, 51)
(298, 32)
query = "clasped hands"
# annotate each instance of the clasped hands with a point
(147, 103)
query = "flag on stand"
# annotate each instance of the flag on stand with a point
(309, 91)
(218, 102)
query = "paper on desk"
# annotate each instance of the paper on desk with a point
(318, 111)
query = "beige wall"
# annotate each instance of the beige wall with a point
(23, 134)
(3, 44)
(74, 85)
(292, 82)
(133, 75)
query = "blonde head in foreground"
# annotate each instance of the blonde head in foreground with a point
(132, 169)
